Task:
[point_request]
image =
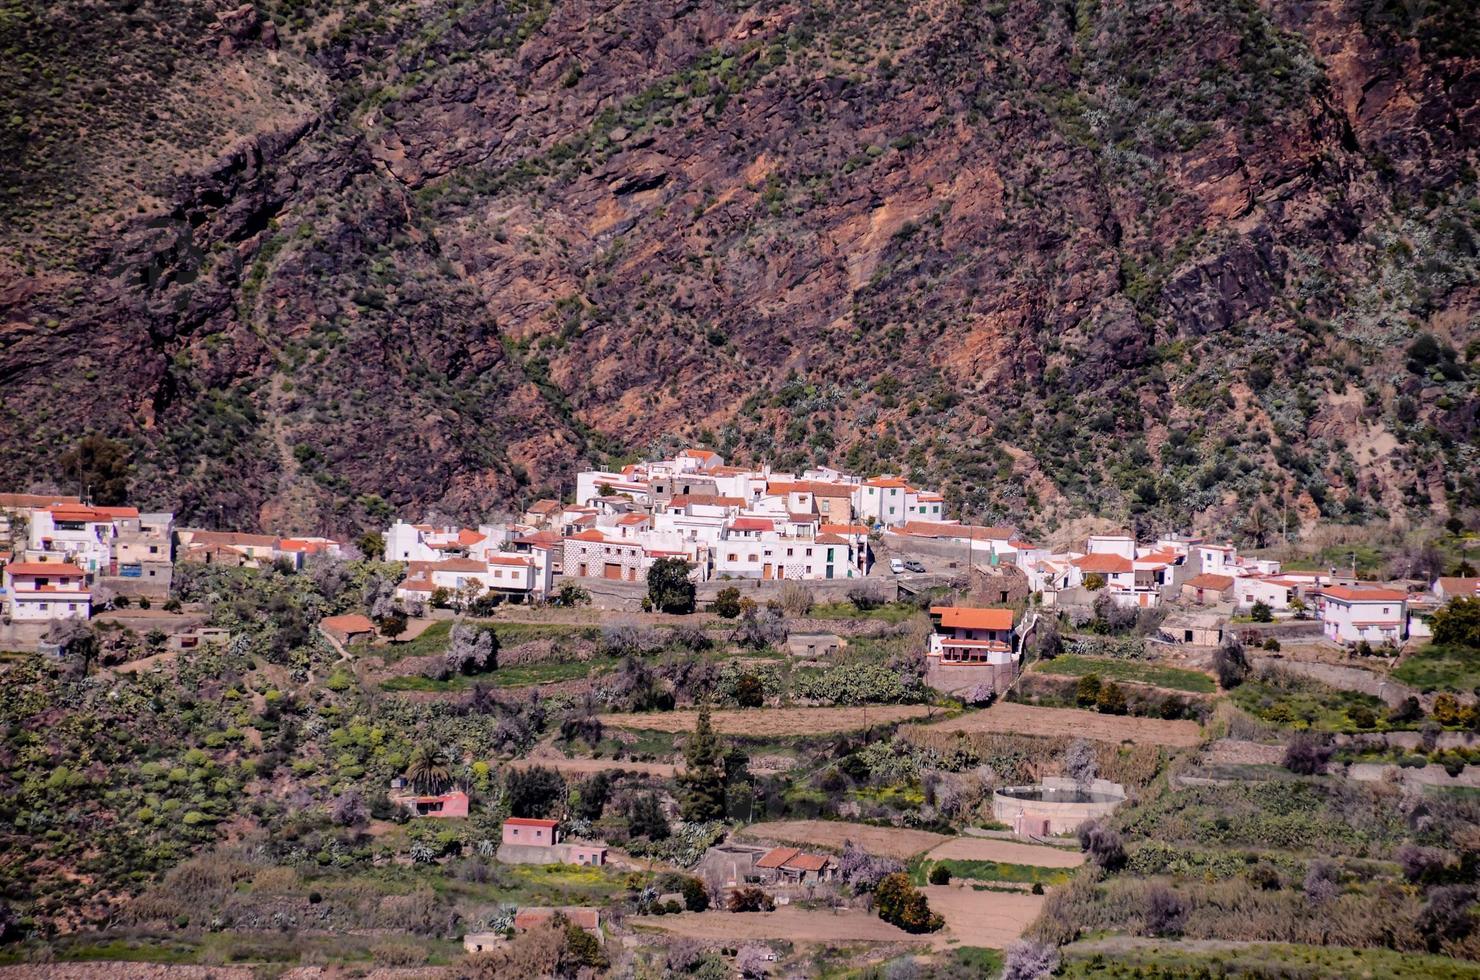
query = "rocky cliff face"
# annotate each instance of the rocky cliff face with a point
(314, 261)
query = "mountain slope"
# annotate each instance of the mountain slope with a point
(1133, 257)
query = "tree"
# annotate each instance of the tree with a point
(1080, 762)
(900, 902)
(1047, 639)
(1458, 623)
(1166, 913)
(1230, 663)
(753, 962)
(645, 818)
(1094, 582)
(533, 792)
(428, 769)
(78, 644)
(1087, 690)
(695, 895)
(100, 466)
(1029, 960)
(702, 782)
(749, 691)
(760, 627)
(371, 544)
(572, 594)
(1261, 612)
(1102, 844)
(670, 589)
(796, 599)
(350, 809)
(581, 950)
(1111, 700)
(472, 650)
(726, 603)
(750, 900)
(1257, 526)
(591, 796)
(1307, 754)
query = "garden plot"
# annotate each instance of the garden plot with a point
(801, 926)
(983, 918)
(775, 722)
(1021, 719)
(892, 842)
(1005, 852)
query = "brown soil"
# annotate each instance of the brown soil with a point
(792, 924)
(776, 722)
(1022, 719)
(892, 842)
(585, 767)
(983, 918)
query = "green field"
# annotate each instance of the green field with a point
(541, 673)
(1262, 960)
(1135, 671)
(434, 638)
(1441, 668)
(889, 612)
(994, 871)
(1302, 704)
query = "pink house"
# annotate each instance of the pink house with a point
(527, 830)
(452, 804)
(527, 840)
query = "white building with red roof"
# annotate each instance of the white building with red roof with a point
(971, 646)
(78, 534)
(40, 591)
(1354, 613)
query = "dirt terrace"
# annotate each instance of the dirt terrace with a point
(775, 722)
(793, 924)
(1009, 718)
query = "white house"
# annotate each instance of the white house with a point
(38, 591)
(1112, 544)
(881, 499)
(78, 534)
(1351, 614)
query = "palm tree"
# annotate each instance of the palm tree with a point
(1257, 526)
(428, 769)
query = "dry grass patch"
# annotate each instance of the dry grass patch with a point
(1022, 719)
(800, 926)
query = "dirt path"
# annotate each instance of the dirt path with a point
(1006, 852)
(983, 918)
(895, 842)
(775, 722)
(1022, 719)
(795, 925)
(144, 663)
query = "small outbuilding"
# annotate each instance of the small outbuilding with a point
(348, 629)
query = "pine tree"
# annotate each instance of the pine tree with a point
(703, 780)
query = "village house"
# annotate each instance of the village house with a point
(542, 512)
(15, 515)
(528, 840)
(1208, 589)
(813, 645)
(1454, 587)
(143, 555)
(970, 647)
(451, 804)
(38, 591)
(882, 501)
(1354, 613)
(1196, 629)
(78, 534)
(506, 574)
(792, 866)
(348, 629)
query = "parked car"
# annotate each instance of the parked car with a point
(914, 566)
(896, 566)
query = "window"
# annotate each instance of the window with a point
(790, 552)
(734, 557)
(154, 549)
(809, 552)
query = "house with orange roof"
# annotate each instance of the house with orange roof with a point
(40, 591)
(924, 505)
(793, 866)
(1363, 612)
(971, 646)
(882, 500)
(542, 512)
(1448, 587)
(15, 515)
(1207, 588)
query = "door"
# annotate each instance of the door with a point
(766, 571)
(612, 571)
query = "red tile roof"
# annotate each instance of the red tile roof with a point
(844, 529)
(544, 506)
(510, 560)
(348, 623)
(973, 618)
(706, 500)
(1207, 580)
(34, 500)
(633, 519)
(809, 862)
(1103, 563)
(752, 524)
(1348, 593)
(531, 822)
(777, 856)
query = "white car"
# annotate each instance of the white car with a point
(896, 566)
